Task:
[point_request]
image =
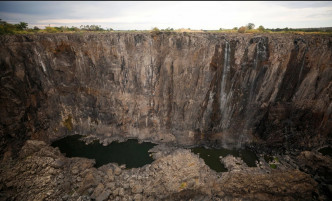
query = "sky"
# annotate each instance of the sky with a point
(141, 15)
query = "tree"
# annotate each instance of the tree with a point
(36, 28)
(235, 28)
(7, 28)
(169, 29)
(250, 26)
(91, 27)
(2, 22)
(261, 28)
(74, 29)
(22, 26)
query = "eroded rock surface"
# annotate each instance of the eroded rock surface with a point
(184, 88)
(43, 173)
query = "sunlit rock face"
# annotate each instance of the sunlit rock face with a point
(183, 88)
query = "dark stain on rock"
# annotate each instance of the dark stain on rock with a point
(108, 86)
(295, 72)
(170, 92)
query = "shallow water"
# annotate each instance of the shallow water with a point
(211, 157)
(326, 151)
(130, 153)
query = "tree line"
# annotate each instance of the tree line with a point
(22, 28)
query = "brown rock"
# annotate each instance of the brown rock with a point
(186, 88)
(98, 190)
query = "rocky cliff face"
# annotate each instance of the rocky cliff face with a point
(184, 88)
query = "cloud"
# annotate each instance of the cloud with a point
(145, 15)
(302, 4)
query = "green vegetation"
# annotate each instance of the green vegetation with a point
(183, 185)
(273, 166)
(268, 158)
(155, 30)
(22, 28)
(68, 123)
(272, 161)
(92, 28)
(250, 26)
(261, 28)
(168, 29)
(11, 28)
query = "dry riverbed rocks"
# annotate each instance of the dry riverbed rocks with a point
(41, 172)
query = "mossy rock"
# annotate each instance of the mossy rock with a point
(273, 166)
(268, 158)
(68, 123)
(183, 185)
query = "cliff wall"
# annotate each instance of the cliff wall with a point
(184, 88)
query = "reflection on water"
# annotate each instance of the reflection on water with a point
(212, 157)
(130, 153)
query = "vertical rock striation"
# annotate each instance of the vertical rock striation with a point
(184, 88)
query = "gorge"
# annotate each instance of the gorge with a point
(267, 92)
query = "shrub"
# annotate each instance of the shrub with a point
(155, 30)
(6, 28)
(73, 29)
(261, 28)
(91, 27)
(51, 29)
(169, 29)
(242, 29)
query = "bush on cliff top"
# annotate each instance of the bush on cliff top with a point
(22, 28)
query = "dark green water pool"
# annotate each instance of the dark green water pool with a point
(130, 153)
(211, 157)
(326, 151)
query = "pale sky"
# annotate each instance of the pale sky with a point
(140, 15)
